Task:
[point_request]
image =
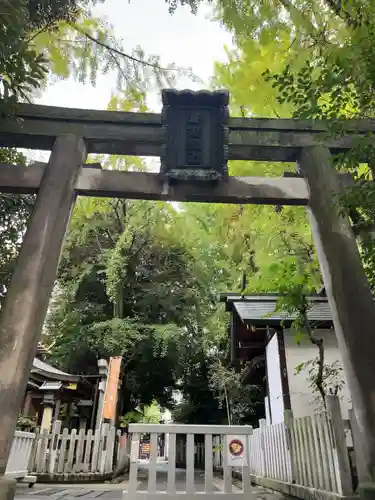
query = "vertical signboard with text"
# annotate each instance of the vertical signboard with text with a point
(195, 130)
(110, 398)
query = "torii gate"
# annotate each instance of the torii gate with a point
(191, 136)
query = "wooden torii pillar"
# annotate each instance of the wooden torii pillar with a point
(31, 286)
(128, 133)
(349, 296)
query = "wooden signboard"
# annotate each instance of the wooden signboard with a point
(195, 130)
(110, 400)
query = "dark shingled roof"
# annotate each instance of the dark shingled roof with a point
(259, 309)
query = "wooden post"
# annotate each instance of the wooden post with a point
(42, 451)
(48, 410)
(171, 479)
(63, 447)
(288, 421)
(134, 454)
(68, 467)
(34, 450)
(262, 428)
(358, 452)
(57, 409)
(216, 445)
(344, 476)
(348, 292)
(26, 405)
(54, 446)
(103, 373)
(32, 282)
(246, 471)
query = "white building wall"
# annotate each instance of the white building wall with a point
(301, 395)
(276, 400)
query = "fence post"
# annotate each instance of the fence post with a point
(95, 451)
(53, 446)
(110, 450)
(246, 470)
(118, 443)
(68, 467)
(103, 448)
(79, 450)
(134, 454)
(63, 448)
(42, 451)
(343, 471)
(32, 461)
(217, 451)
(288, 420)
(358, 452)
(262, 427)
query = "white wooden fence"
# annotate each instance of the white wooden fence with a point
(270, 454)
(172, 488)
(19, 465)
(309, 451)
(78, 452)
(306, 453)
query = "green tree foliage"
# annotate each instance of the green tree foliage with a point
(239, 400)
(126, 287)
(338, 84)
(147, 415)
(306, 59)
(23, 64)
(44, 14)
(331, 375)
(43, 39)
(22, 69)
(198, 404)
(309, 59)
(87, 47)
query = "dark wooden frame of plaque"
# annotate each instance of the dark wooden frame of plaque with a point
(211, 108)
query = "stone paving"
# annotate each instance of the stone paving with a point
(110, 491)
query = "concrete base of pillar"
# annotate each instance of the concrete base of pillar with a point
(7, 488)
(367, 491)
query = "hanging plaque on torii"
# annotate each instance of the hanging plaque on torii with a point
(195, 129)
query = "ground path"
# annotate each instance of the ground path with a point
(110, 491)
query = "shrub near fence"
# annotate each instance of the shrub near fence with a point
(78, 452)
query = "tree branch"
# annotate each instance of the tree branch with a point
(109, 236)
(336, 7)
(121, 224)
(319, 343)
(113, 50)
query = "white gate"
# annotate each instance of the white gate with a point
(189, 482)
(18, 465)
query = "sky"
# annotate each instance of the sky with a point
(182, 38)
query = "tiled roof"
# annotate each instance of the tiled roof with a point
(50, 371)
(261, 309)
